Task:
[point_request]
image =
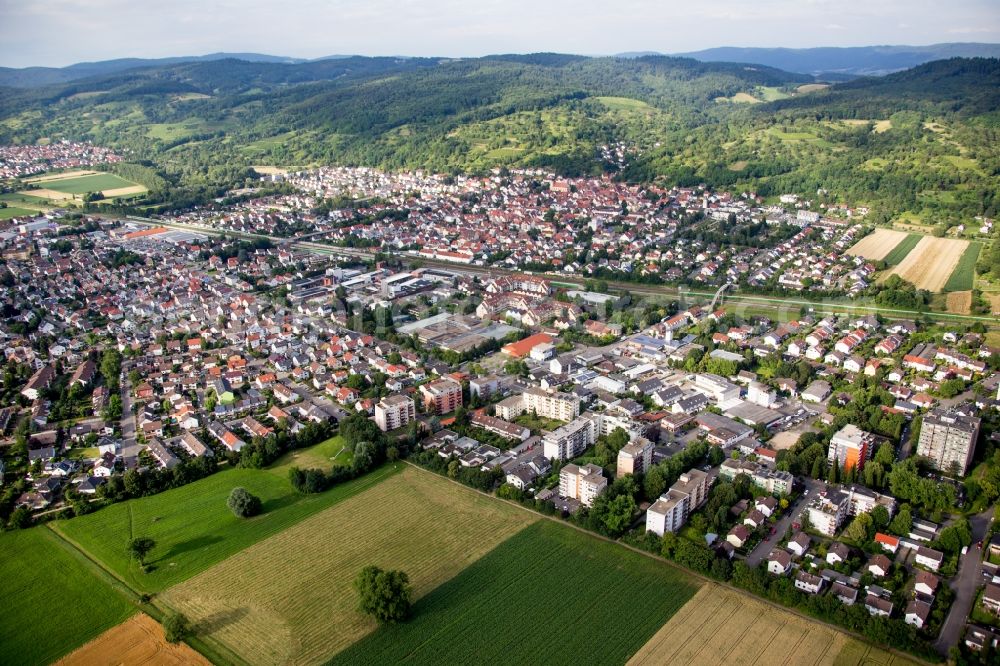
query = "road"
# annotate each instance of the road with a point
(964, 585)
(793, 515)
(769, 302)
(128, 418)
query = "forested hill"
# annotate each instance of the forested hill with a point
(851, 61)
(922, 140)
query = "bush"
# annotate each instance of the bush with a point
(243, 504)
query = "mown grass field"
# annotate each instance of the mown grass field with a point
(964, 275)
(192, 526)
(549, 594)
(721, 626)
(898, 253)
(84, 184)
(290, 598)
(323, 456)
(53, 600)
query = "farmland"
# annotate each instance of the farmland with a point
(13, 211)
(192, 526)
(878, 244)
(549, 594)
(289, 599)
(930, 264)
(138, 641)
(69, 185)
(904, 248)
(964, 275)
(720, 626)
(54, 601)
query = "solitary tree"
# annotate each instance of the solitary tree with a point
(242, 503)
(385, 595)
(175, 627)
(139, 547)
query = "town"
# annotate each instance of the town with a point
(842, 464)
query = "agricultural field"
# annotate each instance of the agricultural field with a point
(192, 526)
(904, 248)
(930, 264)
(606, 602)
(13, 211)
(878, 244)
(289, 599)
(722, 626)
(964, 276)
(69, 185)
(138, 641)
(54, 601)
(959, 302)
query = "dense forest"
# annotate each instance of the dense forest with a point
(923, 140)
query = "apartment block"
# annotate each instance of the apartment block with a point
(671, 510)
(582, 483)
(827, 511)
(571, 439)
(851, 447)
(442, 396)
(395, 411)
(948, 439)
(635, 457)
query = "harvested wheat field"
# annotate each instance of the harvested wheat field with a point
(269, 170)
(123, 191)
(63, 175)
(877, 244)
(721, 626)
(52, 195)
(931, 262)
(137, 641)
(290, 599)
(959, 302)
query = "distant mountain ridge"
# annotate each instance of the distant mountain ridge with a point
(36, 77)
(852, 61)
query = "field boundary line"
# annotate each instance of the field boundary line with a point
(693, 574)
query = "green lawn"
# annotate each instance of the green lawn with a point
(902, 249)
(535, 422)
(549, 594)
(54, 601)
(964, 275)
(83, 184)
(192, 526)
(13, 211)
(324, 455)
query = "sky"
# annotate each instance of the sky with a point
(62, 32)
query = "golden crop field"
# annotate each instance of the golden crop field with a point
(877, 244)
(290, 600)
(137, 641)
(721, 626)
(931, 262)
